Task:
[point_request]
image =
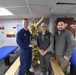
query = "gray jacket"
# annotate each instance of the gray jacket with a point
(64, 43)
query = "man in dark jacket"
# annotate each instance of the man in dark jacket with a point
(23, 40)
(45, 48)
(64, 44)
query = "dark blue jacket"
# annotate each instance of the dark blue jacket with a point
(23, 39)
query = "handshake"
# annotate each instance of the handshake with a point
(31, 45)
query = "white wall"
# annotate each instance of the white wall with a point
(8, 25)
(50, 27)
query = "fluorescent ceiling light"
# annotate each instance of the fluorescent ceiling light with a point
(5, 12)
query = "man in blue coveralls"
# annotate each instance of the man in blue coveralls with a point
(23, 40)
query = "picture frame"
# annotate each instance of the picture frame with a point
(1, 27)
(10, 34)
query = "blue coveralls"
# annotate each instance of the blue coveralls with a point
(23, 40)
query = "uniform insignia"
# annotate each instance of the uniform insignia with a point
(24, 34)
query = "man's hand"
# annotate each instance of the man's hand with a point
(42, 52)
(66, 58)
(32, 46)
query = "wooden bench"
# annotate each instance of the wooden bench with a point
(55, 67)
(12, 70)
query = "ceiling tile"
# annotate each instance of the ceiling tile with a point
(73, 11)
(62, 9)
(41, 2)
(67, 1)
(40, 9)
(20, 11)
(9, 3)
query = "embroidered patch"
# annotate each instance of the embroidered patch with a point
(24, 34)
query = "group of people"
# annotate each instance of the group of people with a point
(59, 45)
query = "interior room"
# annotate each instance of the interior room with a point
(37, 12)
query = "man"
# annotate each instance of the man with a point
(23, 40)
(45, 48)
(64, 44)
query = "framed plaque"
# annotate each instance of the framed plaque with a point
(33, 40)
